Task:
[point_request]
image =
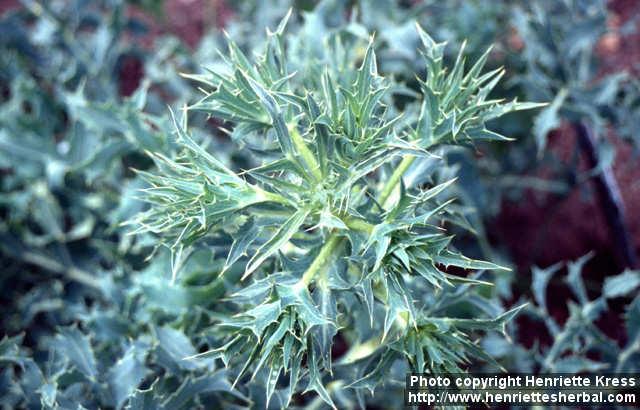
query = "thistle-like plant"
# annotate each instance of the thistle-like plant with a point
(579, 344)
(333, 241)
(562, 66)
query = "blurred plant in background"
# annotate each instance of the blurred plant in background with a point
(94, 316)
(69, 138)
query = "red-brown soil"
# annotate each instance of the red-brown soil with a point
(542, 229)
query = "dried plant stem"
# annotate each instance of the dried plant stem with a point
(609, 194)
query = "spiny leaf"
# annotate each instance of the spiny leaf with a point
(279, 238)
(315, 382)
(449, 258)
(128, 373)
(76, 347)
(296, 294)
(497, 323)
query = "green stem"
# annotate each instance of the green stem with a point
(358, 224)
(322, 259)
(355, 223)
(272, 197)
(395, 178)
(71, 272)
(305, 153)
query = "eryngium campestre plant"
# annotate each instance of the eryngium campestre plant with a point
(333, 239)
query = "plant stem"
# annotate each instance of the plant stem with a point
(305, 153)
(273, 197)
(610, 197)
(395, 178)
(355, 223)
(70, 272)
(626, 354)
(321, 260)
(358, 224)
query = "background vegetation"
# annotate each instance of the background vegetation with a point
(99, 314)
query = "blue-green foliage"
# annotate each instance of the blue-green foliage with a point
(562, 66)
(86, 333)
(94, 316)
(577, 344)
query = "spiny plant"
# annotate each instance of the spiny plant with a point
(73, 332)
(579, 344)
(338, 243)
(562, 66)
